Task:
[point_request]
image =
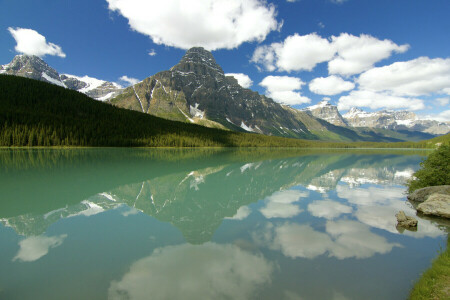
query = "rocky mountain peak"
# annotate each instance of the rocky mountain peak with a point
(326, 111)
(199, 61)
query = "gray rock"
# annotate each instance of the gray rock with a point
(422, 194)
(405, 221)
(436, 205)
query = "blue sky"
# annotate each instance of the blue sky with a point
(374, 54)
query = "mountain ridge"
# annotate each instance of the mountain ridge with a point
(34, 67)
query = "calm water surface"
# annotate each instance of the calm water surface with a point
(209, 224)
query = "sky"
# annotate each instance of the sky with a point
(371, 54)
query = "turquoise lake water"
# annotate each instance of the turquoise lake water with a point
(210, 224)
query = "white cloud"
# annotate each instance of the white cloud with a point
(443, 101)
(129, 80)
(242, 213)
(331, 85)
(420, 76)
(242, 79)
(347, 54)
(284, 89)
(296, 53)
(212, 24)
(209, 271)
(281, 204)
(152, 52)
(30, 42)
(443, 116)
(35, 247)
(328, 209)
(357, 54)
(374, 100)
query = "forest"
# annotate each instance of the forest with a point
(35, 113)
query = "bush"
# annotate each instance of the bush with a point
(435, 170)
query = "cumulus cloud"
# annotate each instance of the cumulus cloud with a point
(209, 271)
(296, 53)
(30, 42)
(328, 209)
(378, 100)
(152, 52)
(281, 204)
(129, 80)
(242, 79)
(212, 24)
(35, 247)
(420, 76)
(356, 54)
(443, 101)
(331, 85)
(284, 89)
(346, 54)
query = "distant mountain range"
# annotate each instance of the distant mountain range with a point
(196, 90)
(391, 120)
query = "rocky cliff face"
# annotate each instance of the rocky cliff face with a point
(325, 111)
(35, 68)
(394, 120)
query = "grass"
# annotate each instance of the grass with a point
(435, 282)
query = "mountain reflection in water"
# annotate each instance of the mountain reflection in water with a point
(243, 215)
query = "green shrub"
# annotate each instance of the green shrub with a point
(435, 170)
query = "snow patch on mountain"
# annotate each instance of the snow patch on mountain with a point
(52, 80)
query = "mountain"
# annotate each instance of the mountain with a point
(36, 113)
(35, 68)
(394, 120)
(328, 112)
(196, 90)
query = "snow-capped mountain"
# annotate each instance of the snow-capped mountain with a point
(326, 111)
(95, 88)
(395, 120)
(35, 68)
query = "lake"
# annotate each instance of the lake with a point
(210, 224)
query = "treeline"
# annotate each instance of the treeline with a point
(35, 113)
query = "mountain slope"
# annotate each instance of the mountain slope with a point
(325, 111)
(35, 113)
(35, 68)
(196, 90)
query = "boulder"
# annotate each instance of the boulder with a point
(422, 194)
(405, 221)
(436, 205)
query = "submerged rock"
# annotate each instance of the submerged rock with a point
(436, 205)
(404, 221)
(422, 194)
